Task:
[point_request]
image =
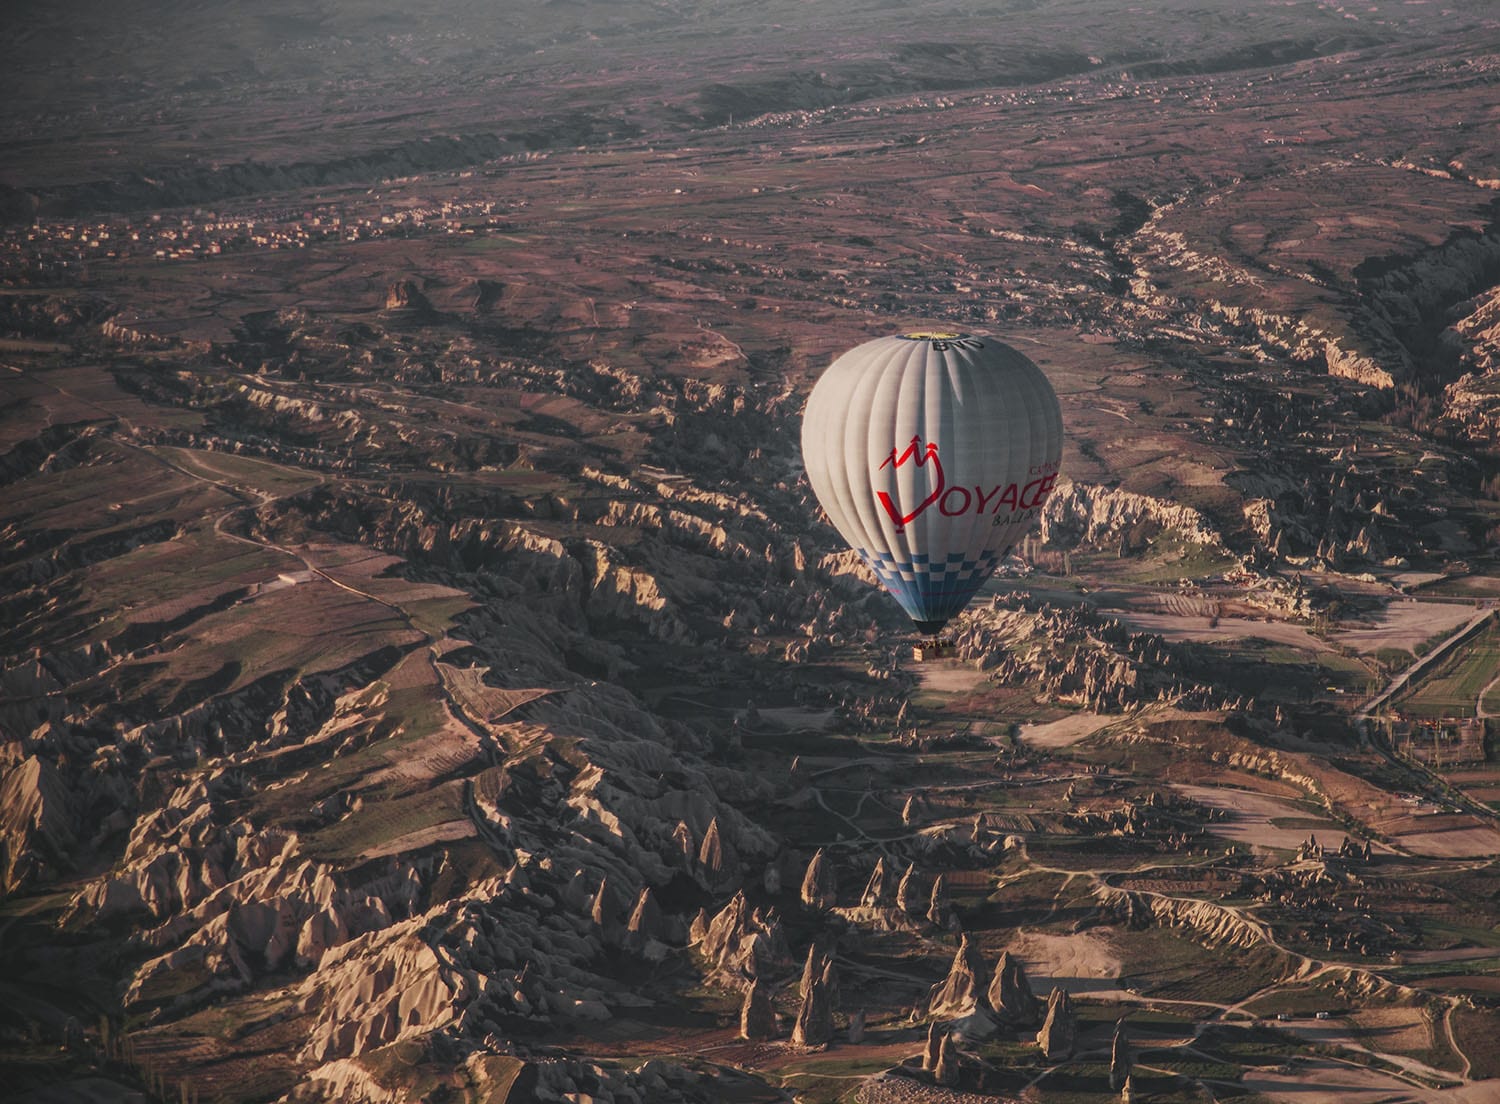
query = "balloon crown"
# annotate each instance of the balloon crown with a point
(932, 335)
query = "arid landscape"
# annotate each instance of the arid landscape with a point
(425, 673)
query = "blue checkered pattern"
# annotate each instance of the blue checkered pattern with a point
(933, 588)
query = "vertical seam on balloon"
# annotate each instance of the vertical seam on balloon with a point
(861, 403)
(860, 399)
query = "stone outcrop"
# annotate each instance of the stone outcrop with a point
(814, 1026)
(909, 897)
(856, 1031)
(1010, 994)
(1119, 1058)
(646, 929)
(946, 1070)
(405, 295)
(684, 844)
(745, 943)
(1087, 514)
(829, 977)
(961, 992)
(1211, 924)
(1059, 1032)
(933, 1046)
(717, 862)
(939, 908)
(37, 824)
(877, 893)
(1073, 655)
(819, 885)
(757, 1014)
(604, 914)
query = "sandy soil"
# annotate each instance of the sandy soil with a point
(1065, 732)
(1250, 816)
(1451, 954)
(413, 841)
(1405, 625)
(1198, 629)
(1391, 1030)
(1081, 963)
(1337, 1083)
(1460, 843)
(1239, 780)
(1416, 578)
(949, 676)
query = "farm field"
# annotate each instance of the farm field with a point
(426, 673)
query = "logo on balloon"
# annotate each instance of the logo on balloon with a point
(1009, 504)
(916, 453)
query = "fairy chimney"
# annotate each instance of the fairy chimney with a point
(814, 1026)
(958, 994)
(819, 888)
(646, 921)
(877, 893)
(716, 859)
(908, 893)
(1119, 1058)
(1010, 993)
(938, 906)
(945, 1072)
(930, 1051)
(757, 1016)
(602, 912)
(1060, 1029)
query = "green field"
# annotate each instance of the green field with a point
(1453, 689)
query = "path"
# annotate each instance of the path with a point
(1479, 710)
(1400, 681)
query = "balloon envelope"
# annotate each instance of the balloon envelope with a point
(932, 454)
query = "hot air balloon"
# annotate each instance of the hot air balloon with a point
(932, 454)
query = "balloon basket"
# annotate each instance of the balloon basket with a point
(932, 648)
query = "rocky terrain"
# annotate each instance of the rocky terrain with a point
(426, 675)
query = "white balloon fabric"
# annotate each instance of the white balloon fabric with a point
(932, 454)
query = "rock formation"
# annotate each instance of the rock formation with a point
(602, 912)
(814, 1026)
(829, 977)
(856, 1032)
(1010, 994)
(909, 810)
(37, 831)
(742, 943)
(405, 295)
(819, 887)
(812, 970)
(647, 925)
(933, 1046)
(1060, 1028)
(717, 863)
(1119, 1058)
(939, 909)
(960, 992)
(757, 1015)
(909, 893)
(684, 843)
(877, 893)
(945, 1070)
